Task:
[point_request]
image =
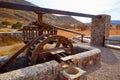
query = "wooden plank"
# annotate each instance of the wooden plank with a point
(42, 10)
(66, 58)
(57, 51)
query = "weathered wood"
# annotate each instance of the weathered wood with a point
(67, 58)
(68, 30)
(40, 15)
(30, 32)
(66, 47)
(43, 10)
(47, 29)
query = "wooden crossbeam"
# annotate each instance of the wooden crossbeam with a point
(67, 58)
(42, 10)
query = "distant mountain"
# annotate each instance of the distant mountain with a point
(28, 16)
(60, 20)
(24, 2)
(13, 15)
(115, 22)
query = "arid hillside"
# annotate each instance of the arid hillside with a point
(26, 17)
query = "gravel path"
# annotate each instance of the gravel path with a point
(108, 69)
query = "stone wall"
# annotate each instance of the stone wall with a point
(13, 34)
(46, 71)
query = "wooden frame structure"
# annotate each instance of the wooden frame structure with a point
(42, 10)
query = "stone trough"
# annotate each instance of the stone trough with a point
(50, 70)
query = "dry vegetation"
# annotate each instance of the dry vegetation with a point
(8, 30)
(10, 49)
(6, 40)
(87, 32)
(114, 31)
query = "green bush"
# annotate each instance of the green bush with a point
(17, 25)
(5, 23)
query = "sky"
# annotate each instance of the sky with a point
(95, 7)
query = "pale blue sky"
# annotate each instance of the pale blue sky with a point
(111, 7)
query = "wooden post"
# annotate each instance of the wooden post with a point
(40, 20)
(82, 36)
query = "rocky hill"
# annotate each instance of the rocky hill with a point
(115, 22)
(28, 16)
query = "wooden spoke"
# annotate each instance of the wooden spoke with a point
(58, 43)
(40, 52)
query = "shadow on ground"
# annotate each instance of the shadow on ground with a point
(92, 68)
(108, 56)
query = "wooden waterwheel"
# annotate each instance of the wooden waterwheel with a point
(61, 47)
(49, 46)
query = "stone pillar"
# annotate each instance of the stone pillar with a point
(100, 30)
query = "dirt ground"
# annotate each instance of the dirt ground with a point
(11, 49)
(108, 68)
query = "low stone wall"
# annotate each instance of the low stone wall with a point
(3, 59)
(13, 34)
(89, 55)
(84, 56)
(46, 71)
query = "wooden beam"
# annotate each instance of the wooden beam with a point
(40, 17)
(40, 9)
(68, 30)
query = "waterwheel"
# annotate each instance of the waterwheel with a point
(47, 46)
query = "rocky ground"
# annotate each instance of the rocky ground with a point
(108, 68)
